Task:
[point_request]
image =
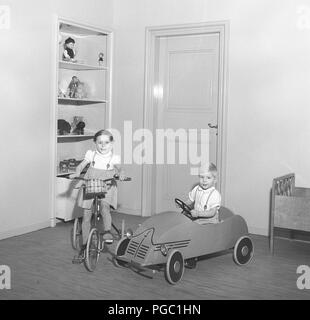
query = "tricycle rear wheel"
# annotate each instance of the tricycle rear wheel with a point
(92, 250)
(76, 234)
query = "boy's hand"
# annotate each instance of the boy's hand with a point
(122, 176)
(195, 213)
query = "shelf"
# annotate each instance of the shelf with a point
(79, 30)
(79, 101)
(76, 136)
(79, 66)
(62, 174)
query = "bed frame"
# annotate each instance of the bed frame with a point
(290, 206)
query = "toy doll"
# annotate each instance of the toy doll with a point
(72, 88)
(69, 52)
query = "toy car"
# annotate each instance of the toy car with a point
(170, 239)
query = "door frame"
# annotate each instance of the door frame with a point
(152, 35)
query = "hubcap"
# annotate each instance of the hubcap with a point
(244, 251)
(176, 266)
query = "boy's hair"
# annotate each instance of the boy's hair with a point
(208, 167)
(103, 132)
(69, 40)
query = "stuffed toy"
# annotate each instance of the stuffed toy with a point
(78, 125)
(79, 128)
(63, 127)
(80, 92)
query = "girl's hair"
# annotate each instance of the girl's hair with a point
(103, 132)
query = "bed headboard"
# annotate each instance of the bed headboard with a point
(283, 186)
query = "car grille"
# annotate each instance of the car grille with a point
(137, 249)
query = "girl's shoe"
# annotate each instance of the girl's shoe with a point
(107, 237)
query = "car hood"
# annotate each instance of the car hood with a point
(162, 223)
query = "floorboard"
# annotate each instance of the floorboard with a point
(41, 268)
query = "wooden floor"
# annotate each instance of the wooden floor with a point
(41, 268)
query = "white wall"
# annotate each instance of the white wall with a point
(268, 90)
(268, 96)
(26, 65)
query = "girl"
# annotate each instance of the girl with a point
(103, 165)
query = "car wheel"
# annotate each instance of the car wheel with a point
(243, 250)
(174, 267)
(119, 251)
(76, 234)
(92, 250)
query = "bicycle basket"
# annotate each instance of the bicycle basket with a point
(95, 186)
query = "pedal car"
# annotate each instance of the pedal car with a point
(170, 239)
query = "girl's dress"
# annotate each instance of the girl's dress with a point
(94, 173)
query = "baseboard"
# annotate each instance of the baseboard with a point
(23, 230)
(259, 231)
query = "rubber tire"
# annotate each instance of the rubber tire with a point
(120, 250)
(76, 234)
(174, 267)
(243, 244)
(92, 250)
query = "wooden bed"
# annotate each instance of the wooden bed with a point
(290, 206)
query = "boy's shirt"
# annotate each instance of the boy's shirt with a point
(205, 199)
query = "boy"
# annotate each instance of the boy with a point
(206, 200)
(205, 197)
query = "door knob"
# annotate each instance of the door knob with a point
(212, 127)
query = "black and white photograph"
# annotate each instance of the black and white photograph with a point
(155, 150)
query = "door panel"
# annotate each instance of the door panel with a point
(187, 78)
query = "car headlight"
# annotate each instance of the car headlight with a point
(128, 233)
(164, 249)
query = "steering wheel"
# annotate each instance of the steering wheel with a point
(186, 208)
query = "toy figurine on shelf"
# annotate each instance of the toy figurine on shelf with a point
(80, 92)
(63, 127)
(72, 88)
(63, 166)
(61, 94)
(69, 52)
(100, 59)
(78, 125)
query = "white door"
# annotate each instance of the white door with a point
(187, 77)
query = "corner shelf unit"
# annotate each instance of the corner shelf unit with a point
(92, 104)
